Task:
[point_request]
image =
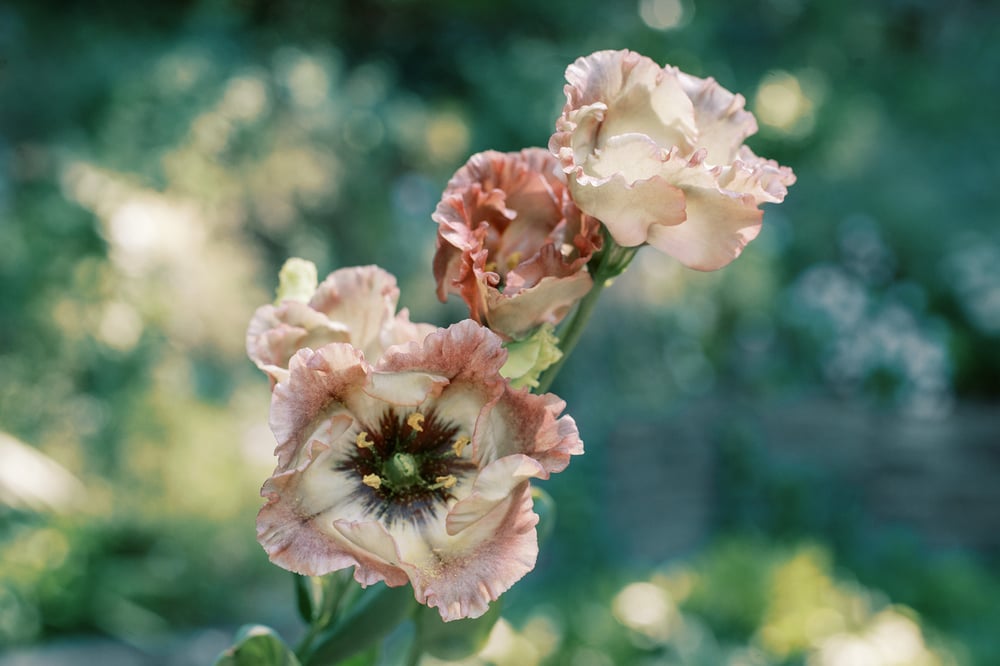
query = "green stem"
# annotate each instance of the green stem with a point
(332, 596)
(571, 335)
(613, 261)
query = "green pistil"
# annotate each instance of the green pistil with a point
(402, 471)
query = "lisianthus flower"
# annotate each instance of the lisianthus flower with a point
(658, 156)
(512, 242)
(354, 305)
(412, 470)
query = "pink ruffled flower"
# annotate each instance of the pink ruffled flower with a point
(511, 241)
(658, 156)
(412, 470)
(354, 305)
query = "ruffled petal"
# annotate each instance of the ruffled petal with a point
(657, 156)
(500, 214)
(483, 561)
(318, 381)
(628, 210)
(719, 225)
(547, 302)
(723, 124)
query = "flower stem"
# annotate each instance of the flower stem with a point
(613, 261)
(569, 338)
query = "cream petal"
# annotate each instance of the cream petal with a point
(719, 225)
(546, 302)
(628, 210)
(293, 525)
(405, 388)
(493, 485)
(633, 156)
(482, 561)
(765, 180)
(641, 97)
(375, 551)
(723, 123)
(362, 297)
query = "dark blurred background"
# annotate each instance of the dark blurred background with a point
(790, 461)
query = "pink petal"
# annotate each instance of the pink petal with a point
(719, 225)
(486, 559)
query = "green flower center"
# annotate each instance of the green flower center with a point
(402, 471)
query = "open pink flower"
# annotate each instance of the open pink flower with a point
(414, 469)
(512, 242)
(658, 156)
(355, 305)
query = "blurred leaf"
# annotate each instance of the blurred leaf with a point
(545, 507)
(257, 645)
(457, 639)
(305, 596)
(371, 620)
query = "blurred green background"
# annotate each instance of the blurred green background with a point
(790, 461)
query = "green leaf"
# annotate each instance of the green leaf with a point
(369, 621)
(304, 595)
(257, 645)
(457, 639)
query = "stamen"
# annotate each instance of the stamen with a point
(372, 481)
(460, 445)
(444, 482)
(491, 266)
(363, 442)
(415, 421)
(513, 260)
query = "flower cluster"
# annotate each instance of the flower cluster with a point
(405, 450)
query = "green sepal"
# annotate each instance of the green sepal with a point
(369, 621)
(457, 639)
(528, 358)
(257, 645)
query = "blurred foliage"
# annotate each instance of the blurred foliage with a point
(159, 161)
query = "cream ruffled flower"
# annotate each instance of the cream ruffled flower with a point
(412, 470)
(512, 242)
(354, 305)
(658, 156)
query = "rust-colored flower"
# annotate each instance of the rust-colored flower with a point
(413, 469)
(512, 243)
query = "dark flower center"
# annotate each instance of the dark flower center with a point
(407, 465)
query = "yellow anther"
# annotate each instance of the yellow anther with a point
(446, 481)
(460, 445)
(513, 260)
(372, 481)
(415, 421)
(363, 442)
(491, 266)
